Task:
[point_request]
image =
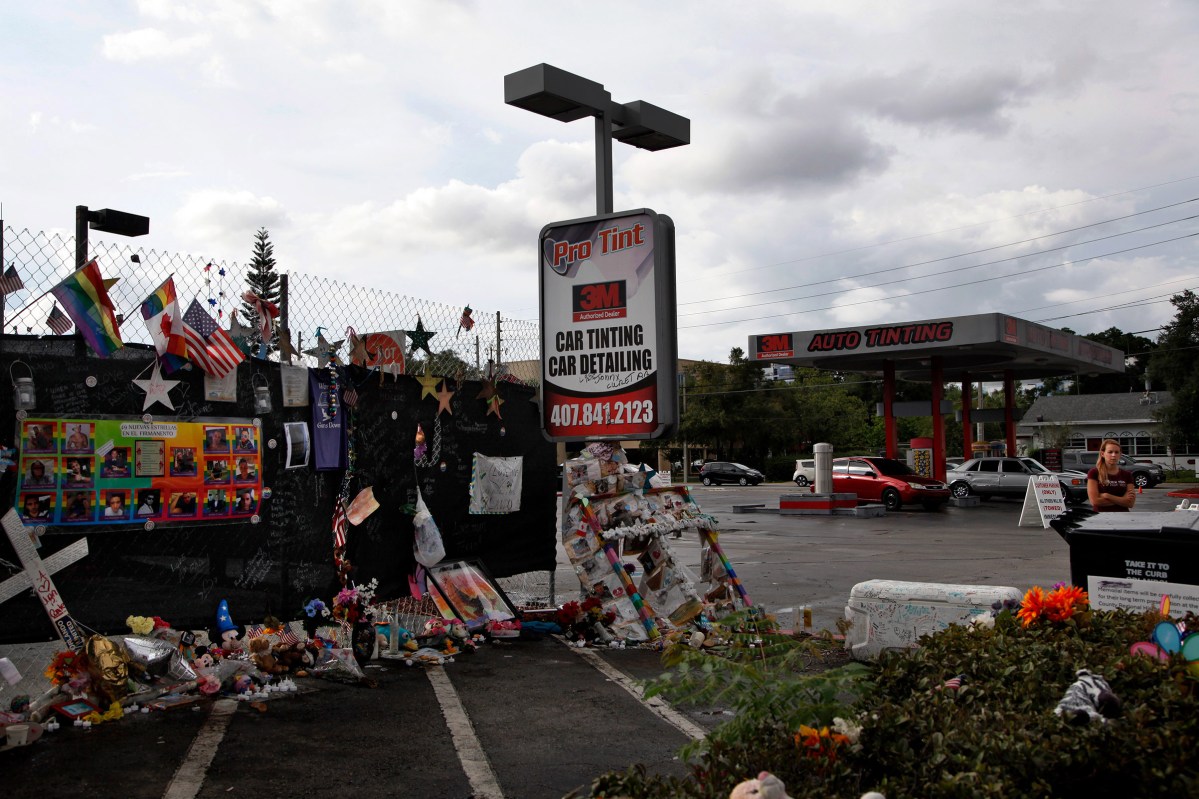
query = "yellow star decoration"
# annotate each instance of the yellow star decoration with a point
(428, 384)
(443, 399)
(493, 406)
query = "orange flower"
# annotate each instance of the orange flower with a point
(819, 743)
(1032, 607)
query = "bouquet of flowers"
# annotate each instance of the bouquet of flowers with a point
(1063, 603)
(353, 604)
(585, 621)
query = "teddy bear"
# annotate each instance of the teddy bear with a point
(263, 658)
(764, 786)
(294, 657)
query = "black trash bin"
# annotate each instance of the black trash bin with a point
(1130, 560)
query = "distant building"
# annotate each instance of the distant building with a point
(1084, 420)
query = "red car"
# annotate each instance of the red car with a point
(888, 481)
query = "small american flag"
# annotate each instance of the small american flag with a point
(339, 524)
(253, 631)
(952, 684)
(59, 322)
(350, 397)
(466, 322)
(287, 635)
(209, 345)
(11, 281)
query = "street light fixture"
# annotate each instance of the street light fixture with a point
(567, 97)
(106, 220)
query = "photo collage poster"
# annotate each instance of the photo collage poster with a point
(126, 471)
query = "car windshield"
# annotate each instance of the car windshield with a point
(892, 468)
(742, 466)
(1034, 465)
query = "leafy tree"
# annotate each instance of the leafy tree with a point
(263, 280)
(1175, 363)
(1135, 369)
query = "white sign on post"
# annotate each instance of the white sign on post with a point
(1043, 502)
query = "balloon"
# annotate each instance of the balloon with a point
(149, 658)
(108, 666)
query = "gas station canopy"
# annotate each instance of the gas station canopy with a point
(981, 347)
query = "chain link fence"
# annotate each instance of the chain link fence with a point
(42, 260)
(495, 346)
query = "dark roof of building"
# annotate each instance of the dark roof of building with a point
(1129, 406)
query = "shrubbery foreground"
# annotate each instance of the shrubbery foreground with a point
(832, 729)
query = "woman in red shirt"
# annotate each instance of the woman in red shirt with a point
(1109, 487)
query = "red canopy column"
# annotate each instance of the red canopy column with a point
(938, 422)
(967, 403)
(889, 431)
(1009, 404)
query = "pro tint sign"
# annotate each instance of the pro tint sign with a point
(608, 344)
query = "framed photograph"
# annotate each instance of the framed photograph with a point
(76, 473)
(245, 439)
(116, 463)
(149, 503)
(116, 503)
(36, 507)
(74, 709)
(217, 502)
(183, 462)
(39, 437)
(216, 439)
(216, 470)
(183, 503)
(78, 506)
(246, 502)
(245, 470)
(467, 588)
(296, 435)
(38, 472)
(78, 438)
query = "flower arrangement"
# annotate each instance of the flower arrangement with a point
(1064, 602)
(144, 625)
(352, 605)
(584, 620)
(65, 667)
(819, 744)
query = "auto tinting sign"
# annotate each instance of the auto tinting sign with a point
(608, 327)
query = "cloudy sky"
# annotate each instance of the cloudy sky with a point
(850, 163)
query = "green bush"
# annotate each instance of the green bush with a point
(996, 737)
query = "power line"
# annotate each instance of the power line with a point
(1085, 299)
(964, 254)
(955, 229)
(938, 274)
(941, 288)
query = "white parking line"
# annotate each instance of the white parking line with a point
(656, 704)
(189, 778)
(483, 782)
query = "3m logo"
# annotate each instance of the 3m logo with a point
(593, 301)
(774, 346)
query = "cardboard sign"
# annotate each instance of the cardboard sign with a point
(1043, 501)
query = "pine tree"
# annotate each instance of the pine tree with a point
(263, 280)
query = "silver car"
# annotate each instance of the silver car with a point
(1008, 477)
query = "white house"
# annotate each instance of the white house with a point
(1082, 421)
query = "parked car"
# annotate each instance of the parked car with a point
(717, 472)
(1145, 475)
(805, 473)
(1008, 477)
(954, 461)
(888, 481)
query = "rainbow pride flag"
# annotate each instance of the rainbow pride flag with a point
(159, 300)
(84, 298)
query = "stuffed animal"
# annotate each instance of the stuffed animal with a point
(260, 654)
(1089, 698)
(765, 786)
(294, 657)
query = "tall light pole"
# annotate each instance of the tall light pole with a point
(567, 97)
(106, 220)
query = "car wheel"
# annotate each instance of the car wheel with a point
(960, 489)
(1141, 480)
(802, 481)
(891, 499)
(707, 481)
(743, 481)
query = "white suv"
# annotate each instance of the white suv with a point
(805, 473)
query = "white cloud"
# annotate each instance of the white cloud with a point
(224, 221)
(149, 44)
